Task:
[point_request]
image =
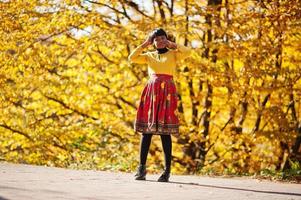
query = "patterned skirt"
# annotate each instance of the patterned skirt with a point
(157, 111)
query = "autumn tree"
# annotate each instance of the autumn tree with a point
(69, 95)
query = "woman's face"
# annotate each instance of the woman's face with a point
(160, 41)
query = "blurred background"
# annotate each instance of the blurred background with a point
(68, 94)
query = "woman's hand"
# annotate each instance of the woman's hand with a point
(171, 45)
(147, 42)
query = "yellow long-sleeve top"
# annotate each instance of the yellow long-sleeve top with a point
(164, 63)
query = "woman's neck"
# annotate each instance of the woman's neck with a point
(163, 50)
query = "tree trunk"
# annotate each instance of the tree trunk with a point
(205, 117)
(227, 69)
(297, 145)
(161, 11)
(244, 111)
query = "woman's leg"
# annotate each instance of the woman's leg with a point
(167, 148)
(144, 147)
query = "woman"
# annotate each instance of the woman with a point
(158, 103)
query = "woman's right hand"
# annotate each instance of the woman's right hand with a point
(147, 42)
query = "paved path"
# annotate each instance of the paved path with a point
(22, 182)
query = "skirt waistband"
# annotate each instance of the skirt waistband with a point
(167, 76)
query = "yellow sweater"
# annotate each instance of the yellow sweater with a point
(164, 63)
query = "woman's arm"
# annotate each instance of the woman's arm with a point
(136, 56)
(182, 51)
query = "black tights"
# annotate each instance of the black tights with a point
(144, 147)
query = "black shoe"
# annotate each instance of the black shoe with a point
(141, 173)
(164, 177)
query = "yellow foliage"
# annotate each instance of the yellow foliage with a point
(69, 95)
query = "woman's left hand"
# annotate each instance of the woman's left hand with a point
(171, 45)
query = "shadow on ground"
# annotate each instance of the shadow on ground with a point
(230, 188)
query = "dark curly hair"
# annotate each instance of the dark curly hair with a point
(157, 32)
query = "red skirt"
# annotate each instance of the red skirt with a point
(157, 111)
